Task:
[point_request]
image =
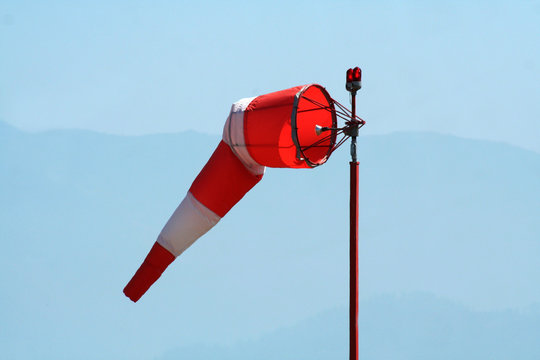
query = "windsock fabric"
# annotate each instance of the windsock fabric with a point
(233, 135)
(190, 220)
(268, 130)
(151, 269)
(223, 181)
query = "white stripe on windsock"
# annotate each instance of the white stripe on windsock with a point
(233, 135)
(190, 221)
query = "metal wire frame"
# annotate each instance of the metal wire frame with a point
(341, 112)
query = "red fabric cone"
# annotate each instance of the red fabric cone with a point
(223, 181)
(151, 269)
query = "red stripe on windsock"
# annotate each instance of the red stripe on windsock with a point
(151, 269)
(223, 181)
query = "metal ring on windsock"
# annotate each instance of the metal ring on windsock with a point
(277, 130)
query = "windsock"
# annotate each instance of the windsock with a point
(272, 130)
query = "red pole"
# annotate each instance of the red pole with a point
(353, 279)
(353, 84)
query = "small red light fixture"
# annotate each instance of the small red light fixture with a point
(354, 79)
(357, 74)
(349, 75)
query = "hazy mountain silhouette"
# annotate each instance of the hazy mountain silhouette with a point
(454, 218)
(416, 326)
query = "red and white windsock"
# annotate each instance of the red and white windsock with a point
(274, 130)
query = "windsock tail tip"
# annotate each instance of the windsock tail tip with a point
(157, 260)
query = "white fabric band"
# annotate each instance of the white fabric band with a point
(190, 221)
(233, 135)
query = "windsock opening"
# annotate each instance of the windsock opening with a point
(279, 128)
(313, 107)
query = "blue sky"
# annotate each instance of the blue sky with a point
(134, 67)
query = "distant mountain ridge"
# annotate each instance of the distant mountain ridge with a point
(415, 326)
(450, 217)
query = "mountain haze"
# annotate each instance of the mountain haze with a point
(449, 251)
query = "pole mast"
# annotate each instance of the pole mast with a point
(353, 84)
